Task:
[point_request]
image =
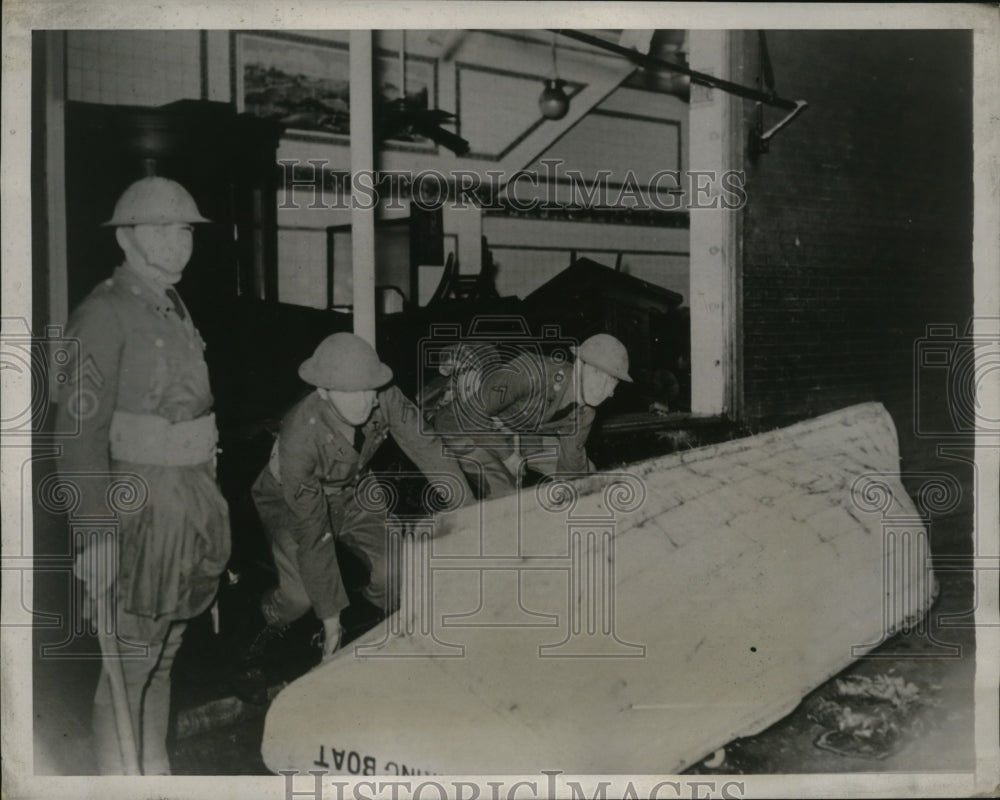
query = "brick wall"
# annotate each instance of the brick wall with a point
(858, 227)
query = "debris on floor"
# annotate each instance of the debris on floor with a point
(867, 716)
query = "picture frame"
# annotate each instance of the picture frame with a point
(303, 82)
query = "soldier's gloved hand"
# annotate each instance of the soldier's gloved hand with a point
(332, 633)
(459, 445)
(515, 465)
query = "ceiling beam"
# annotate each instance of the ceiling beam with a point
(704, 79)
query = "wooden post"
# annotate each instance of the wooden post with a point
(714, 270)
(55, 185)
(362, 159)
(111, 662)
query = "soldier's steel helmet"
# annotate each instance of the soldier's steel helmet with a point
(345, 363)
(604, 351)
(155, 201)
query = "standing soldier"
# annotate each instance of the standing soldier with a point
(534, 411)
(306, 497)
(149, 414)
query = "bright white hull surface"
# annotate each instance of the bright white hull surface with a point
(668, 609)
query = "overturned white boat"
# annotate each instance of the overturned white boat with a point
(633, 624)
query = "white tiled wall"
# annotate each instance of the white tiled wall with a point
(302, 277)
(521, 271)
(302, 250)
(619, 146)
(640, 133)
(155, 67)
(146, 68)
(537, 250)
(512, 106)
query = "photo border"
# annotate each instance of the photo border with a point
(22, 16)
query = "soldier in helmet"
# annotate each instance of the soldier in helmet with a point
(306, 498)
(147, 413)
(534, 411)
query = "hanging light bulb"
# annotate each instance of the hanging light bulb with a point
(553, 102)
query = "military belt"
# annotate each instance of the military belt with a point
(150, 439)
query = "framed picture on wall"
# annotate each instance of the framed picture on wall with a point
(303, 82)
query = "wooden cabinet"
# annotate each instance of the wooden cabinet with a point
(226, 160)
(588, 298)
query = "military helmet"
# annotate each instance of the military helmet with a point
(344, 362)
(155, 201)
(604, 351)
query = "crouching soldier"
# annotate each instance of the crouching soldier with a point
(306, 497)
(535, 411)
(142, 399)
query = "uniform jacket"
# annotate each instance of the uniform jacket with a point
(318, 470)
(137, 354)
(531, 395)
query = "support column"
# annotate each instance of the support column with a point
(362, 159)
(55, 178)
(714, 244)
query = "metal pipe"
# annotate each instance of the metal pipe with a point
(362, 160)
(696, 77)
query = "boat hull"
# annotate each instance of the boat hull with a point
(630, 622)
